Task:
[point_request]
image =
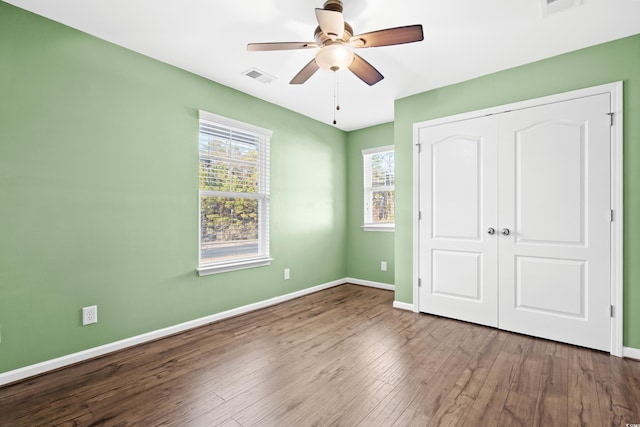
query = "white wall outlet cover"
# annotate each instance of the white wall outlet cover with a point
(89, 315)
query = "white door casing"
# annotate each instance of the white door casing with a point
(558, 248)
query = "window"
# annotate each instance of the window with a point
(379, 192)
(234, 195)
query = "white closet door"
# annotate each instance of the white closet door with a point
(554, 198)
(458, 203)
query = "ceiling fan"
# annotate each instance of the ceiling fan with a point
(336, 42)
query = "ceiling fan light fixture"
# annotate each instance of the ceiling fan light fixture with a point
(334, 57)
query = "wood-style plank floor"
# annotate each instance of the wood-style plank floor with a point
(342, 356)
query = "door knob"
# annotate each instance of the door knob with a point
(491, 231)
(505, 231)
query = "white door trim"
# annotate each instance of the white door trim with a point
(615, 89)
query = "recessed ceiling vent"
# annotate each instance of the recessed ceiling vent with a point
(258, 75)
(550, 7)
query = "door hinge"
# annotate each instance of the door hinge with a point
(611, 215)
(610, 118)
(419, 215)
(612, 311)
(419, 145)
(419, 283)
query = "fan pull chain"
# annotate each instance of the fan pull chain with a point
(336, 96)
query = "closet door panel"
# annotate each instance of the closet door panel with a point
(554, 195)
(458, 190)
(549, 174)
(455, 184)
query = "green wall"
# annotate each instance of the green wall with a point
(99, 193)
(366, 249)
(609, 62)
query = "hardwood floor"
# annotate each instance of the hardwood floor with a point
(342, 356)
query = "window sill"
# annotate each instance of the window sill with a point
(389, 228)
(206, 270)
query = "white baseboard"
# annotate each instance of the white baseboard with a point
(370, 284)
(60, 362)
(403, 306)
(631, 353)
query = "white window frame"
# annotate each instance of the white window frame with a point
(369, 225)
(263, 258)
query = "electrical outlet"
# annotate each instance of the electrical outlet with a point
(383, 265)
(89, 315)
(286, 274)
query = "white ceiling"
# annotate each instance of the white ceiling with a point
(463, 39)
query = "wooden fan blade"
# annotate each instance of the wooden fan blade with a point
(305, 73)
(331, 23)
(365, 71)
(389, 37)
(259, 47)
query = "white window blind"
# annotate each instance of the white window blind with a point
(234, 194)
(379, 188)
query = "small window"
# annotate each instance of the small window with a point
(379, 189)
(234, 195)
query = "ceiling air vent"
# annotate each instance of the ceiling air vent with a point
(550, 7)
(258, 75)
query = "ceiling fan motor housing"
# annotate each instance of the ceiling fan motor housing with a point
(335, 5)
